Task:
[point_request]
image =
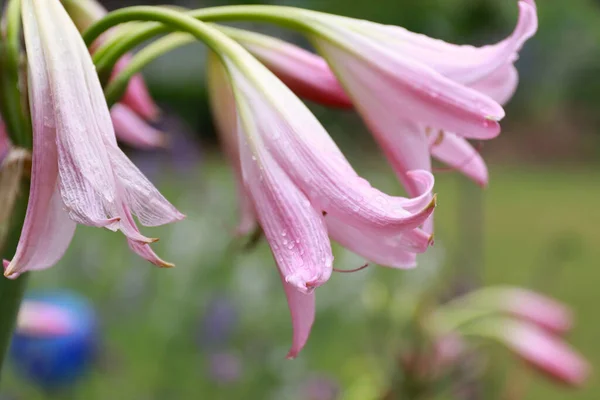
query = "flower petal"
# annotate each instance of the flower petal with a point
(133, 130)
(500, 85)
(294, 229)
(463, 64)
(143, 249)
(302, 309)
(86, 180)
(459, 154)
(304, 150)
(146, 202)
(395, 251)
(371, 72)
(222, 105)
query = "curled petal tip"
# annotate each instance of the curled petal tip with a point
(292, 355)
(165, 265)
(431, 240)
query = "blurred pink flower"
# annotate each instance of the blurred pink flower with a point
(405, 85)
(79, 174)
(545, 352)
(540, 310)
(299, 183)
(41, 319)
(133, 130)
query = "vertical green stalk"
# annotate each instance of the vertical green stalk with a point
(11, 291)
(13, 108)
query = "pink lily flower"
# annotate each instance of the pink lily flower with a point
(79, 174)
(136, 97)
(374, 64)
(549, 355)
(300, 183)
(41, 319)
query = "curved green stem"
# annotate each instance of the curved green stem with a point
(106, 56)
(114, 91)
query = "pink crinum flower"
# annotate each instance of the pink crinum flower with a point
(136, 106)
(79, 174)
(303, 190)
(418, 95)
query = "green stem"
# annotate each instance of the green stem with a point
(106, 56)
(11, 291)
(115, 90)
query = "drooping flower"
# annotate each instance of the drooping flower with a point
(136, 97)
(302, 189)
(413, 91)
(79, 174)
(547, 353)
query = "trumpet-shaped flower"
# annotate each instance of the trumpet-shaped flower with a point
(137, 99)
(405, 85)
(79, 175)
(302, 189)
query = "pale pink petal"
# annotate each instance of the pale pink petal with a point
(302, 147)
(294, 229)
(47, 230)
(396, 251)
(142, 197)
(143, 249)
(42, 319)
(136, 96)
(499, 85)
(305, 73)
(460, 155)
(463, 64)
(370, 71)
(548, 354)
(86, 180)
(133, 130)
(222, 105)
(302, 309)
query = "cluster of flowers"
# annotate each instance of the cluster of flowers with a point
(419, 97)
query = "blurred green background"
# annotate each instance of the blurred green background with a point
(217, 326)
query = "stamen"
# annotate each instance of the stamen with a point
(351, 271)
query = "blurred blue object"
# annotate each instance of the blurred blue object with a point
(57, 361)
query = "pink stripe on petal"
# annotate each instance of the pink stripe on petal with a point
(459, 154)
(302, 309)
(133, 130)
